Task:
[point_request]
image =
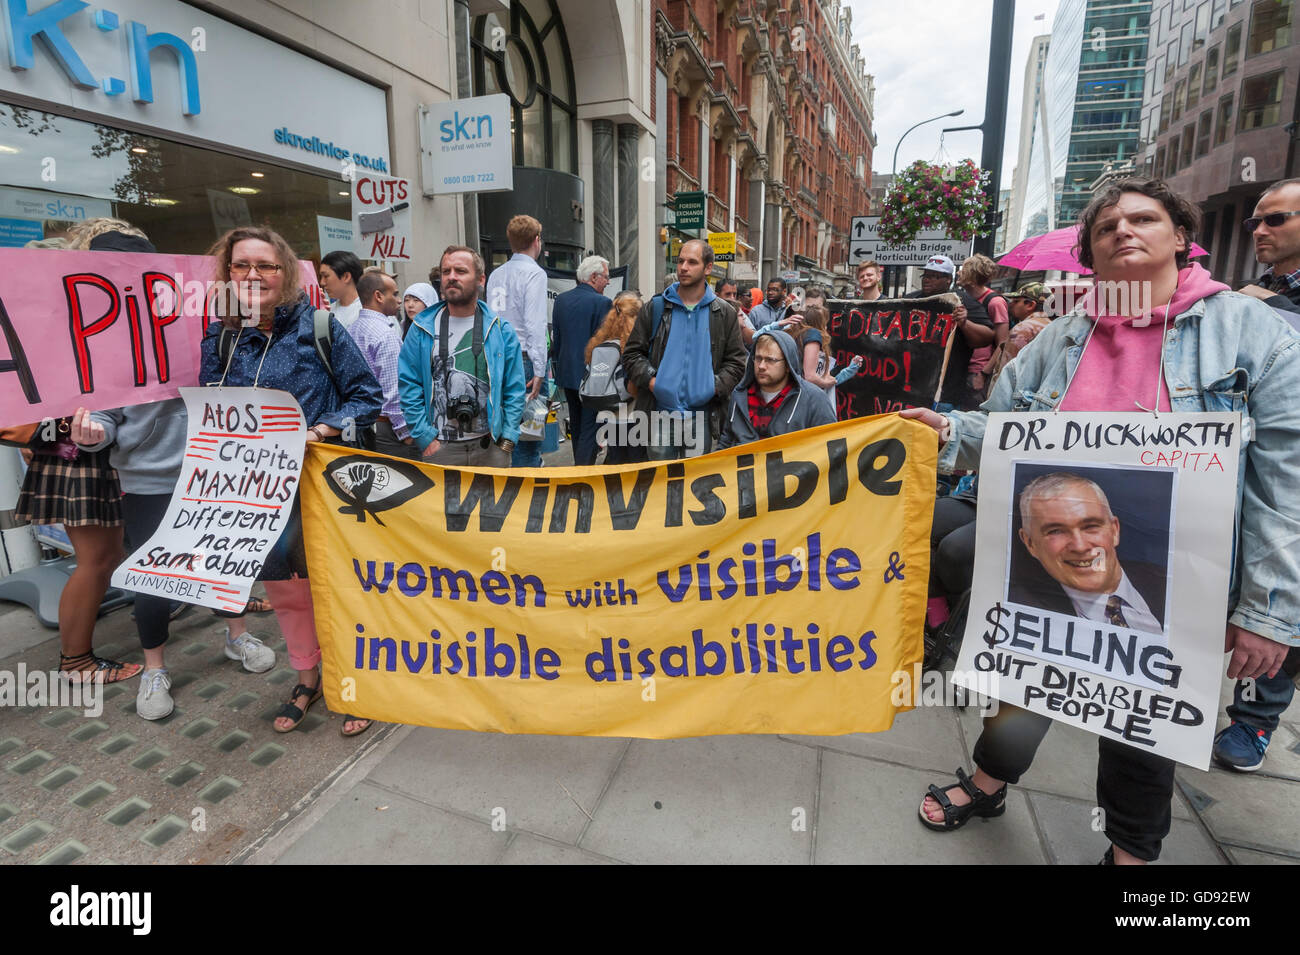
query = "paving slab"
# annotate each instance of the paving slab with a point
(527, 849)
(375, 826)
(1068, 826)
(926, 737)
(1251, 857)
(1247, 809)
(522, 779)
(868, 814)
(194, 787)
(20, 630)
(717, 799)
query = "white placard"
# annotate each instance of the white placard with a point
(243, 457)
(381, 217)
(865, 243)
(465, 145)
(1147, 670)
(334, 234)
(228, 211)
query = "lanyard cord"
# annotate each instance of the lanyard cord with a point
(1160, 369)
(230, 360)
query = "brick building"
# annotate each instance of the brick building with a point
(767, 108)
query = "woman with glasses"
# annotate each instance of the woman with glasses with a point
(274, 346)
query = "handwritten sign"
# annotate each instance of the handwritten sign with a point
(1100, 593)
(103, 329)
(904, 344)
(243, 455)
(381, 217)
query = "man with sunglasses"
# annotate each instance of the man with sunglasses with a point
(1275, 227)
(1257, 705)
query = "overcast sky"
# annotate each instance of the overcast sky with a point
(933, 59)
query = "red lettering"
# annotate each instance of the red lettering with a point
(916, 322)
(80, 331)
(895, 323)
(137, 340)
(1146, 455)
(907, 371)
(161, 321)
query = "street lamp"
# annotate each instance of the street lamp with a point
(921, 123)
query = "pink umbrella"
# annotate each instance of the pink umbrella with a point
(1055, 250)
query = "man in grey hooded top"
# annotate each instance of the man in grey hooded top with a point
(773, 398)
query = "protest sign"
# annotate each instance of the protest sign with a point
(774, 587)
(559, 281)
(904, 344)
(1100, 593)
(103, 329)
(381, 217)
(243, 455)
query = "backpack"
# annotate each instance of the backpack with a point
(604, 386)
(321, 337)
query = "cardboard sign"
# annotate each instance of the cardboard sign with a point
(777, 587)
(103, 329)
(904, 344)
(243, 455)
(381, 217)
(1100, 594)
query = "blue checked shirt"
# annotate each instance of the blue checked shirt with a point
(1275, 282)
(381, 345)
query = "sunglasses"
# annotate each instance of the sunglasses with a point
(1273, 220)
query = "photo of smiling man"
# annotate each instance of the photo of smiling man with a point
(1069, 529)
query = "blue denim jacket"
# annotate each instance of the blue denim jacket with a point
(1227, 352)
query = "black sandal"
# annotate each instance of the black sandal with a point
(986, 805)
(99, 670)
(290, 712)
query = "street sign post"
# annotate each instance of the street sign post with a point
(865, 243)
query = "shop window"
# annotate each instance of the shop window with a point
(1261, 101)
(1223, 127)
(1270, 26)
(183, 197)
(1203, 133)
(1211, 72)
(1232, 50)
(534, 68)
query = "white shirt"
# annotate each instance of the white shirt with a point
(516, 291)
(1136, 613)
(347, 314)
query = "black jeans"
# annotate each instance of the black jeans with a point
(1134, 786)
(952, 547)
(141, 515)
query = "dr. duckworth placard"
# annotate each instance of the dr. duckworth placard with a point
(1100, 594)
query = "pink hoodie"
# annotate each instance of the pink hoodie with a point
(1121, 362)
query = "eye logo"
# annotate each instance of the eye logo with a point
(368, 485)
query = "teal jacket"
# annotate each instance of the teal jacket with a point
(505, 368)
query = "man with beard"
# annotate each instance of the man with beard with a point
(461, 373)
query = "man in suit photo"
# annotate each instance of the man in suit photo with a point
(1068, 527)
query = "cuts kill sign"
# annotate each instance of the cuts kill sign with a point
(381, 217)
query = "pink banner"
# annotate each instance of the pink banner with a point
(101, 329)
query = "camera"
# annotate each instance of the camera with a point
(462, 399)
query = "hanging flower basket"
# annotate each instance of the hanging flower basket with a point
(926, 196)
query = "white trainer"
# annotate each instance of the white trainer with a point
(256, 656)
(153, 701)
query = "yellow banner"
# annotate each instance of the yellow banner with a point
(771, 588)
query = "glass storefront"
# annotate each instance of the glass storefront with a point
(55, 170)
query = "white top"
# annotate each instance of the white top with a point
(1136, 613)
(347, 314)
(516, 291)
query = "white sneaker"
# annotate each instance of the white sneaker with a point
(256, 656)
(154, 699)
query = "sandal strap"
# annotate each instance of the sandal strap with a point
(291, 712)
(941, 797)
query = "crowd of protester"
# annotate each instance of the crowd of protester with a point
(451, 372)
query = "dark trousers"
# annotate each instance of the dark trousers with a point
(141, 515)
(582, 426)
(1134, 786)
(952, 547)
(387, 442)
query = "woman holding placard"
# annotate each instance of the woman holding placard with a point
(1183, 342)
(276, 347)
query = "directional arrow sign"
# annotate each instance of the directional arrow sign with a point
(865, 243)
(864, 227)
